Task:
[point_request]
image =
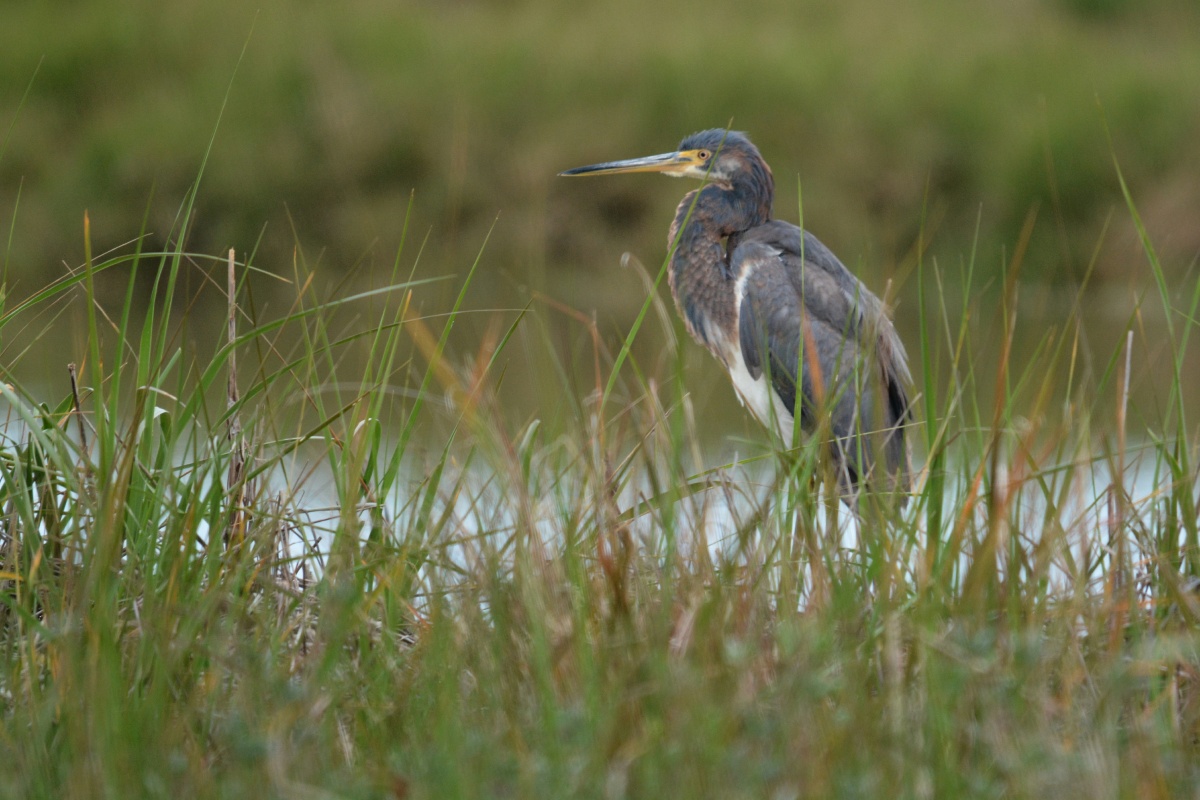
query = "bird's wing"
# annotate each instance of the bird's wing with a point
(812, 269)
(803, 254)
(804, 318)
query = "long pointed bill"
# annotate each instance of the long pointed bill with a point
(676, 163)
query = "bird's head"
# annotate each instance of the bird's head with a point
(714, 155)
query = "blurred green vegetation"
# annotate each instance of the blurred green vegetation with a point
(339, 112)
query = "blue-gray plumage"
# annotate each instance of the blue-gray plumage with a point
(778, 309)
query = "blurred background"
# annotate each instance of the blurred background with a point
(885, 121)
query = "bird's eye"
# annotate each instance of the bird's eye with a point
(703, 155)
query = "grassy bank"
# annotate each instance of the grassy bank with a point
(339, 114)
(313, 554)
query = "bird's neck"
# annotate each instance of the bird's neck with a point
(724, 209)
(700, 280)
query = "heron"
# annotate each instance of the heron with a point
(798, 333)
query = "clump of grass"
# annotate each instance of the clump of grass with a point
(219, 577)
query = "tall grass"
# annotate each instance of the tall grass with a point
(316, 557)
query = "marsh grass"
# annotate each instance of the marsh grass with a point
(339, 569)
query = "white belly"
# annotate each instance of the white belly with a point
(757, 395)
